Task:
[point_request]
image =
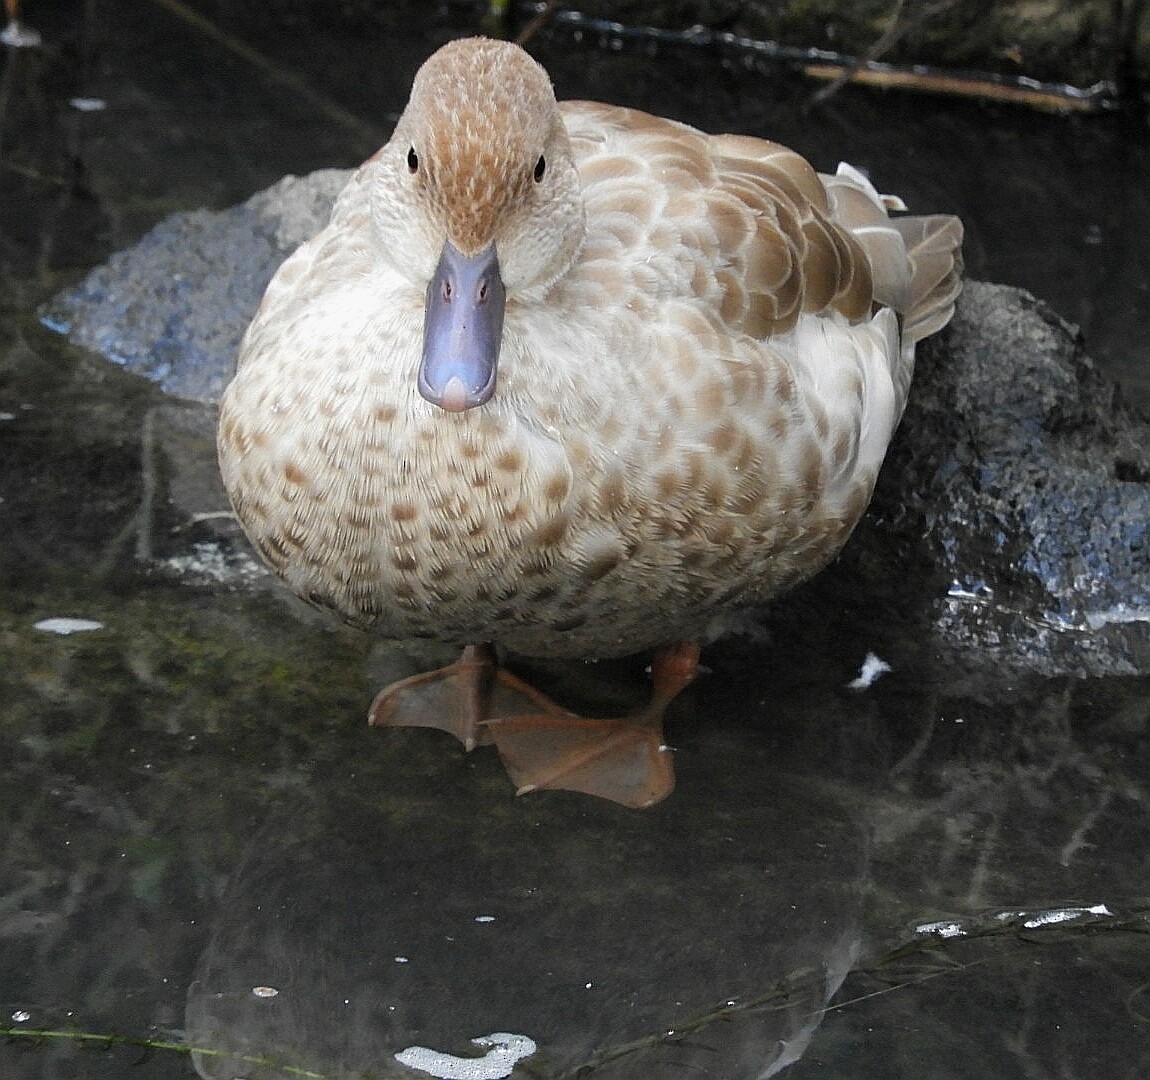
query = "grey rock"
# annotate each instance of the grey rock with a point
(1016, 477)
(173, 308)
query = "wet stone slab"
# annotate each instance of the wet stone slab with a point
(210, 866)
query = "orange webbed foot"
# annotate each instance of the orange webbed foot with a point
(542, 745)
(459, 698)
(621, 760)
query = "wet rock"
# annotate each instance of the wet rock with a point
(1031, 481)
(174, 306)
(1017, 480)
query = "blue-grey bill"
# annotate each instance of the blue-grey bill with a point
(462, 329)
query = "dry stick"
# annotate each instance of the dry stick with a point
(537, 23)
(960, 86)
(889, 37)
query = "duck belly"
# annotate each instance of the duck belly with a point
(554, 526)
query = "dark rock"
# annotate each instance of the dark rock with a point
(1016, 476)
(1031, 481)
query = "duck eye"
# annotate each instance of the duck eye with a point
(540, 168)
(412, 160)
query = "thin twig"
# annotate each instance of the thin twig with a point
(537, 23)
(890, 36)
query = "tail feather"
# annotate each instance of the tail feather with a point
(916, 261)
(934, 249)
(859, 208)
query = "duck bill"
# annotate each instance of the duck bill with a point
(462, 329)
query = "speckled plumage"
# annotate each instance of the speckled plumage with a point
(701, 369)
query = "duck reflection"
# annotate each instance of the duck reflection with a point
(702, 938)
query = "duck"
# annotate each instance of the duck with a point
(572, 381)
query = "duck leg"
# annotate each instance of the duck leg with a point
(543, 745)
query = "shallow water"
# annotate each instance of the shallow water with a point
(195, 814)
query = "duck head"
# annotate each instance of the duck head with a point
(477, 201)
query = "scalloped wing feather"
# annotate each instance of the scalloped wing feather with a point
(771, 239)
